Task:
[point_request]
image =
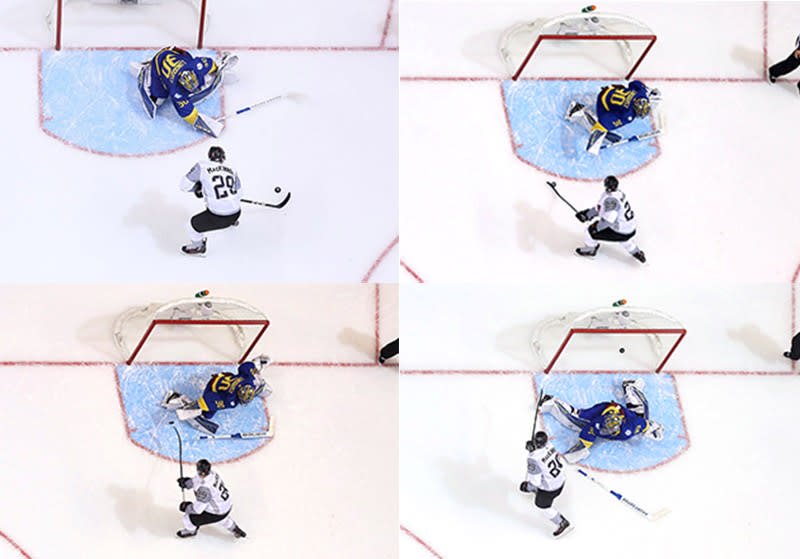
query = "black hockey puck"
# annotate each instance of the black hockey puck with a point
(622, 350)
(277, 189)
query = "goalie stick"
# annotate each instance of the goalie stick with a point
(255, 435)
(552, 184)
(290, 95)
(278, 206)
(649, 516)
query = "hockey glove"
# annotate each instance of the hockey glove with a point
(198, 189)
(185, 482)
(583, 215)
(527, 487)
(185, 505)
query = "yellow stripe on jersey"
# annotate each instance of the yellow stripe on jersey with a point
(203, 405)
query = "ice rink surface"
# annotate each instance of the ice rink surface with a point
(467, 405)
(714, 204)
(79, 486)
(76, 214)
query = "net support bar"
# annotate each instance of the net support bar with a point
(681, 332)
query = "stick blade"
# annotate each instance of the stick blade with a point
(658, 515)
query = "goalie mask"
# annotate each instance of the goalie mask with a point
(612, 420)
(641, 107)
(245, 394)
(188, 80)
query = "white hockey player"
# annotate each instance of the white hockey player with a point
(220, 186)
(616, 222)
(546, 479)
(606, 420)
(223, 391)
(213, 502)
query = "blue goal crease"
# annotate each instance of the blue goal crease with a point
(635, 454)
(544, 139)
(90, 100)
(143, 386)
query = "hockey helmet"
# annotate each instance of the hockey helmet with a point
(188, 80)
(611, 183)
(641, 107)
(216, 153)
(203, 467)
(539, 440)
(245, 394)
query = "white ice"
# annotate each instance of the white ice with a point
(467, 402)
(71, 215)
(717, 204)
(76, 486)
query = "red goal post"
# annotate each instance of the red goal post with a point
(658, 333)
(55, 17)
(631, 41)
(245, 325)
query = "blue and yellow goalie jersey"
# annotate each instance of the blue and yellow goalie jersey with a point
(618, 105)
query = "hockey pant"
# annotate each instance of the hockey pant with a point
(207, 221)
(193, 521)
(784, 66)
(595, 233)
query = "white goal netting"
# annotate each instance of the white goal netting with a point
(191, 329)
(607, 338)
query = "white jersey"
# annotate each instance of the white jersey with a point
(546, 468)
(615, 209)
(221, 186)
(211, 494)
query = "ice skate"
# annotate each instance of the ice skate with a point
(573, 111)
(588, 251)
(563, 528)
(238, 532)
(195, 248)
(547, 403)
(798, 87)
(227, 61)
(639, 255)
(636, 383)
(169, 397)
(788, 355)
(770, 78)
(184, 533)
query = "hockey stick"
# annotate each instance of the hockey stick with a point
(180, 457)
(289, 95)
(536, 413)
(636, 138)
(622, 498)
(276, 206)
(256, 435)
(552, 184)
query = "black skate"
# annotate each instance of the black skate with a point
(586, 251)
(563, 528)
(573, 109)
(193, 249)
(639, 255)
(238, 532)
(185, 533)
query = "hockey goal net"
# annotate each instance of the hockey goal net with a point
(608, 338)
(112, 14)
(193, 329)
(594, 42)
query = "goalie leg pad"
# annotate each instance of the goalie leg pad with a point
(173, 400)
(148, 103)
(596, 138)
(204, 425)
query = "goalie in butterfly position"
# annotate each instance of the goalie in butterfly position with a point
(606, 420)
(173, 73)
(223, 391)
(617, 105)
(616, 222)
